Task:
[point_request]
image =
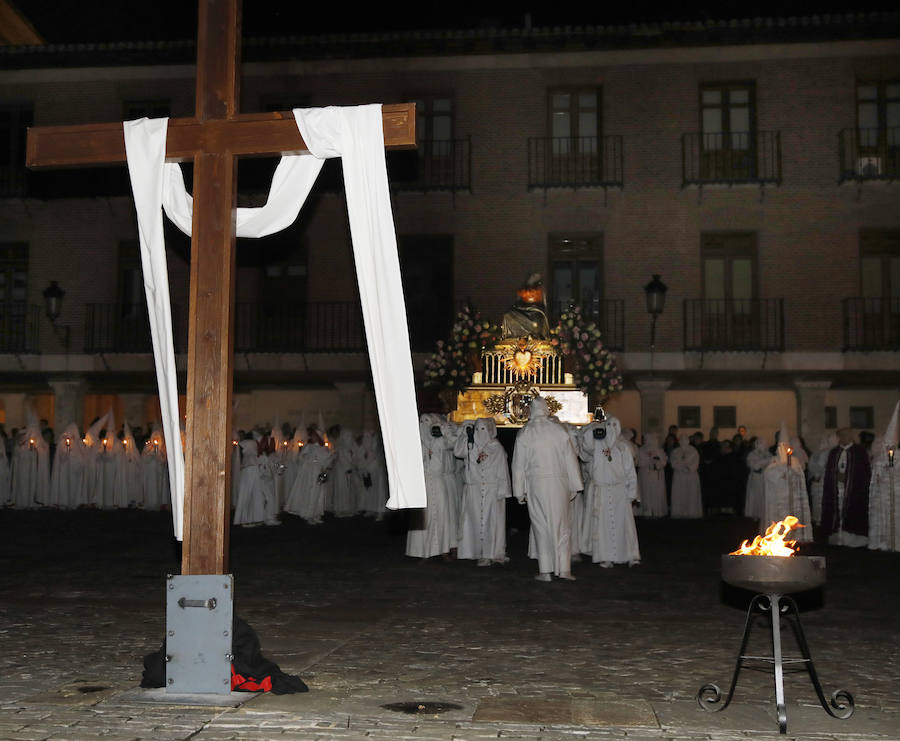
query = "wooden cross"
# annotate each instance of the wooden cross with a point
(213, 139)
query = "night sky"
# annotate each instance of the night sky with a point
(72, 21)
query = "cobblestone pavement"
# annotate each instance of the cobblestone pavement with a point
(619, 653)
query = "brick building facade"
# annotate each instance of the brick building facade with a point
(751, 164)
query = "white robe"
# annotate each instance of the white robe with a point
(30, 471)
(371, 466)
(482, 526)
(155, 474)
(651, 465)
(346, 480)
(687, 499)
(547, 476)
(884, 503)
(307, 496)
(785, 494)
(251, 503)
(433, 530)
(614, 488)
(755, 498)
(67, 490)
(128, 488)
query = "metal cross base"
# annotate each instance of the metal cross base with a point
(776, 607)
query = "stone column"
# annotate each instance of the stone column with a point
(811, 410)
(653, 406)
(69, 403)
(353, 403)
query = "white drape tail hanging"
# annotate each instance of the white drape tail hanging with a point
(356, 135)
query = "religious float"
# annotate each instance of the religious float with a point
(488, 371)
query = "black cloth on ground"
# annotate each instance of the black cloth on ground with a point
(248, 661)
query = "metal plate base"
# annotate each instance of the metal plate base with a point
(199, 612)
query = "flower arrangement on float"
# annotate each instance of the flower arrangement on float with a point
(454, 360)
(592, 365)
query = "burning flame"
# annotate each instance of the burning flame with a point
(773, 542)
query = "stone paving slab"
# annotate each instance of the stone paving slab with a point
(366, 627)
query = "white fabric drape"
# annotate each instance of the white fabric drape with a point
(356, 135)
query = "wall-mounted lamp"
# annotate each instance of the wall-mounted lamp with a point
(53, 296)
(655, 292)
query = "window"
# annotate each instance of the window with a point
(14, 120)
(426, 266)
(13, 296)
(725, 417)
(689, 417)
(878, 116)
(728, 131)
(831, 418)
(575, 120)
(729, 289)
(880, 285)
(576, 273)
(862, 417)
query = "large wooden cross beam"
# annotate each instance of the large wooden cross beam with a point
(212, 139)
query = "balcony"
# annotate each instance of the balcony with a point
(434, 165)
(734, 325)
(19, 328)
(871, 324)
(326, 327)
(608, 314)
(575, 162)
(125, 328)
(743, 158)
(869, 154)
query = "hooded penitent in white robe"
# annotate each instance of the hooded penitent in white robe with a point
(156, 474)
(67, 489)
(251, 504)
(346, 480)
(269, 470)
(546, 475)
(614, 485)
(651, 465)
(482, 524)
(433, 529)
(884, 489)
(816, 471)
(30, 469)
(308, 494)
(785, 494)
(453, 467)
(373, 473)
(758, 460)
(687, 499)
(94, 477)
(128, 489)
(577, 512)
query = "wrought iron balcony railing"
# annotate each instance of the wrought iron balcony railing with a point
(734, 325)
(575, 162)
(731, 158)
(433, 165)
(259, 327)
(329, 326)
(608, 314)
(869, 154)
(19, 328)
(871, 323)
(125, 328)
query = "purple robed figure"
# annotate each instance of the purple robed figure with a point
(845, 492)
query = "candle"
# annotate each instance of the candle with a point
(31, 443)
(891, 457)
(789, 454)
(68, 443)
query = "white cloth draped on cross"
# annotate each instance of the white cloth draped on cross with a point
(356, 135)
